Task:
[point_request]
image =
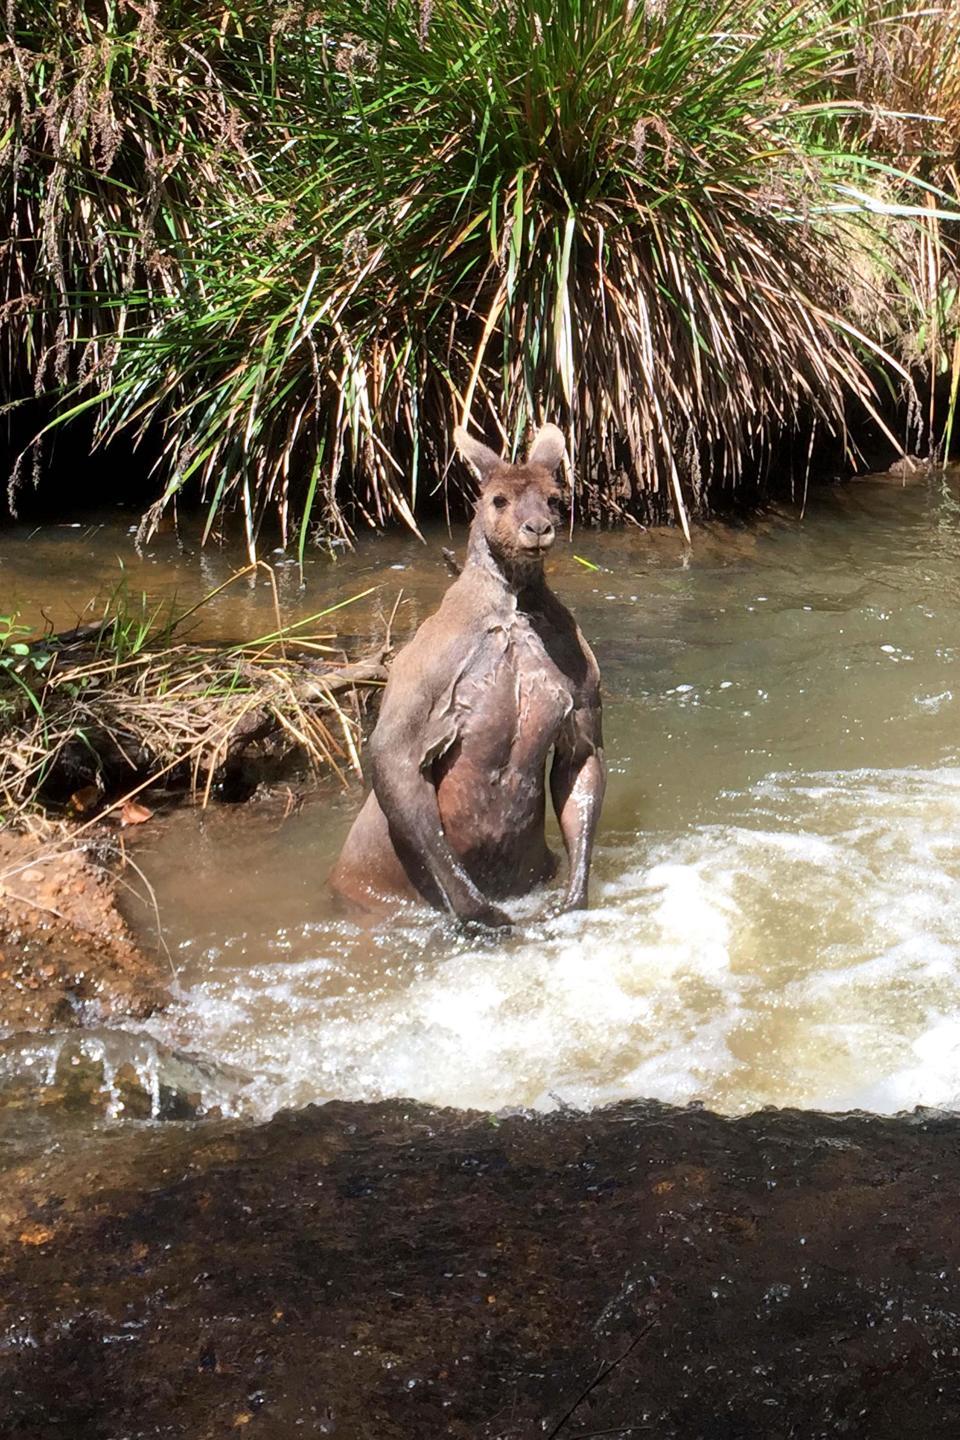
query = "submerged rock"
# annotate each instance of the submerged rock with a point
(400, 1273)
(115, 1073)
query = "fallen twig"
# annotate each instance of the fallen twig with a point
(597, 1380)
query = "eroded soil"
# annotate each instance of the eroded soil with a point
(400, 1273)
(66, 954)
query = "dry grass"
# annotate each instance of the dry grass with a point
(88, 725)
(905, 74)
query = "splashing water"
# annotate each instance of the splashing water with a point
(739, 965)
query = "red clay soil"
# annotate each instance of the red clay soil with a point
(66, 954)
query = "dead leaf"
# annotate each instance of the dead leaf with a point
(36, 1235)
(133, 814)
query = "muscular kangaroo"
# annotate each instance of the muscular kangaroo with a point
(498, 677)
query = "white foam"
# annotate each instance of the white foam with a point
(813, 960)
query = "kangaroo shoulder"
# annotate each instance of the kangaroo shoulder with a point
(428, 663)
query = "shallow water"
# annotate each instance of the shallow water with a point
(776, 917)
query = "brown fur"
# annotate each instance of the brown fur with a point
(487, 687)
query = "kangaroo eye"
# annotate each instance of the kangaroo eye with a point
(500, 502)
(554, 502)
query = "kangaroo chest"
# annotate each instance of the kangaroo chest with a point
(512, 700)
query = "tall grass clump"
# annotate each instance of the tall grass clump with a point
(325, 235)
(904, 72)
(115, 118)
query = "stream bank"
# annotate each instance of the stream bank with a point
(67, 955)
(395, 1272)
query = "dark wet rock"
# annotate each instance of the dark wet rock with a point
(399, 1273)
(66, 954)
(905, 470)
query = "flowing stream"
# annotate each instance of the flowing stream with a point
(776, 908)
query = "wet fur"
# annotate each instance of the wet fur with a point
(488, 686)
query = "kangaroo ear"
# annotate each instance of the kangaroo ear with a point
(548, 448)
(480, 456)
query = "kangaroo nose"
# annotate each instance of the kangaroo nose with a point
(538, 529)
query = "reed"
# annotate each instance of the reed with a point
(904, 72)
(285, 248)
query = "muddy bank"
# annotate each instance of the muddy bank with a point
(67, 955)
(400, 1273)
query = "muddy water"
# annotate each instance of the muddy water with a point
(776, 910)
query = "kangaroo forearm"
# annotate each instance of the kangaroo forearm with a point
(450, 877)
(578, 796)
(410, 806)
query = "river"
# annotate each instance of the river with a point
(775, 910)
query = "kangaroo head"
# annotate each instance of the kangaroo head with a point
(518, 505)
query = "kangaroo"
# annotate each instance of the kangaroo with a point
(489, 684)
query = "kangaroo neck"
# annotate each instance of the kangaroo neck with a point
(523, 578)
